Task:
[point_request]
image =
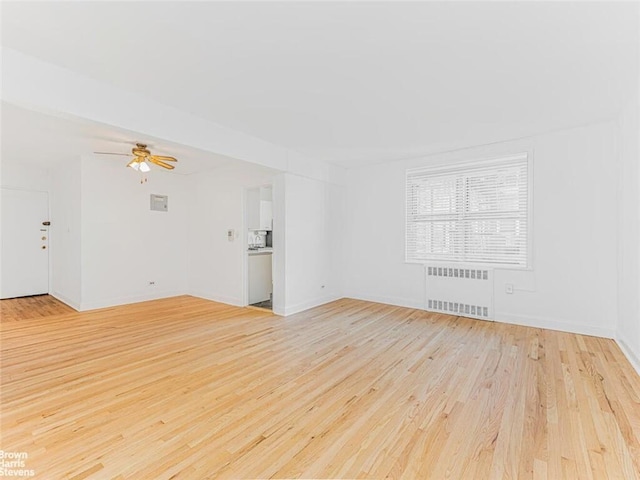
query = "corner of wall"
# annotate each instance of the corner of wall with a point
(236, 302)
(634, 359)
(301, 307)
(560, 325)
(126, 300)
(628, 231)
(66, 300)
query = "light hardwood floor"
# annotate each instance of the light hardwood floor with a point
(29, 307)
(187, 388)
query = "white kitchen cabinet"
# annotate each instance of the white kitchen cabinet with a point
(266, 214)
(259, 209)
(260, 279)
(253, 209)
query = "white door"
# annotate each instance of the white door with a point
(24, 245)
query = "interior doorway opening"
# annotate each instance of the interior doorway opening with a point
(259, 215)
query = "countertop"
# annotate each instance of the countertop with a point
(261, 251)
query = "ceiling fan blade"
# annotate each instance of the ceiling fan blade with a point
(160, 163)
(166, 159)
(112, 153)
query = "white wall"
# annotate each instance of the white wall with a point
(24, 176)
(279, 244)
(216, 267)
(572, 285)
(313, 241)
(63, 187)
(628, 331)
(65, 234)
(628, 334)
(107, 245)
(308, 228)
(125, 245)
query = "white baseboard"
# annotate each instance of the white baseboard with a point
(114, 302)
(290, 310)
(396, 301)
(525, 320)
(236, 302)
(65, 300)
(633, 358)
(300, 307)
(554, 324)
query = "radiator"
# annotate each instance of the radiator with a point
(463, 291)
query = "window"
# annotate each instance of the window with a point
(475, 213)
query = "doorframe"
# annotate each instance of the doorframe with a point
(245, 244)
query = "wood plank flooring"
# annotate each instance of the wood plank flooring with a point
(191, 389)
(22, 308)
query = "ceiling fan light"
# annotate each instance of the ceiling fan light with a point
(144, 167)
(135, 166)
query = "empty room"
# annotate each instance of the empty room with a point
(320, 240)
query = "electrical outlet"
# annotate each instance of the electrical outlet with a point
(508, 288)
(152, 283)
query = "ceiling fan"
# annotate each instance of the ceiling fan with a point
(141, 155)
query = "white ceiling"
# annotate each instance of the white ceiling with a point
(351, 82)
(33, 138)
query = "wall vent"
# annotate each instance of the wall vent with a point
(463, 291)
(159, 203)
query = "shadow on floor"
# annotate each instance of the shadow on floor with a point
(265, 304)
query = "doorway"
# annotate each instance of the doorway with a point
(24, 248)
(259, 218)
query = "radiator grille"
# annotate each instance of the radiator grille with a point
(460, 290)
(455, 272)
(463, 309)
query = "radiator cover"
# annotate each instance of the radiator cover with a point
(460, 290)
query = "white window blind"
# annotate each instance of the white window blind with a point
(471, 214)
